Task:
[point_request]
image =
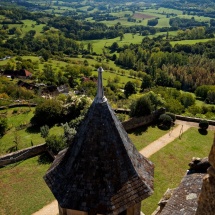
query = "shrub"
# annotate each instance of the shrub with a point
(172, 115)
(44, 130)
(55, 143)
(165, 121)
(203, 124)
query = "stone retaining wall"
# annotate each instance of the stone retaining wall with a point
(192, 119)
(18, 105)
(136, 122)
(22, 154)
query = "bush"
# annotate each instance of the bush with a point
(172, 115)
(165, 121)
(44, 131)
(55, 143)
(203, 124)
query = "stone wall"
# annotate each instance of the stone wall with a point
(18, 105)
(136, 122)
(22, 154)
(193, 119)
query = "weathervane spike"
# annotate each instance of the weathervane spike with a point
(100, 98)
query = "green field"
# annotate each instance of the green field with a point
(171, 163)
(190, 42)
(27, 26)
(165, 11)
(129, 38)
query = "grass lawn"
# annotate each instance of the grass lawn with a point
(23, 190)
(143, 136)
(171, 163)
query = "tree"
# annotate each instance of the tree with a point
(155, 99)
(49, 112)
(114, 47)
(202, 91)
(90, 47)
(49, 74)
(146, 82)
(187, 99)
(211, 97)
(121, 35)
(129, 89)
(152, 22)
(141, 107)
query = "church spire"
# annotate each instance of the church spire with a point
(100, 98)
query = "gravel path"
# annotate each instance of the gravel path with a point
(181, 126)
(50, 209)
(164, 140)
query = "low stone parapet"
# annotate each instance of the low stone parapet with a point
(22, 154)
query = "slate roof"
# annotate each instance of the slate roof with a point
(102, 171)
(184, 200)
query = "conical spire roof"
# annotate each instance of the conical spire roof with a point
(101, 171)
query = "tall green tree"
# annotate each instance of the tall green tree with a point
(129, 89)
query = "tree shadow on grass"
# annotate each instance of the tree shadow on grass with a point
(163, 127)
(203, 131)
(138, 131)
(45, 158)
(33, 129)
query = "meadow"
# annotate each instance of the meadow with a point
(190, 42)
(27, 26)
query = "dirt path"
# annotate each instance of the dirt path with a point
(164, 140)
(181, 126)
(50, 209)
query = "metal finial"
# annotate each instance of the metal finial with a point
(100, 98)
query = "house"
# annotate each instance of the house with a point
(101, 172)
(22, 73)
